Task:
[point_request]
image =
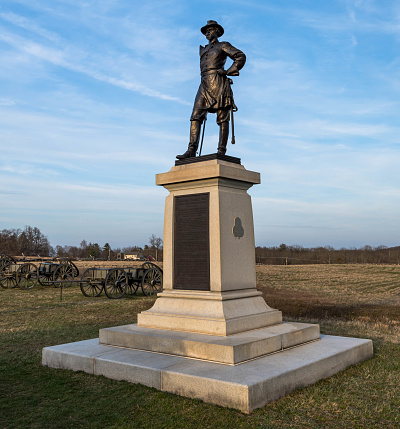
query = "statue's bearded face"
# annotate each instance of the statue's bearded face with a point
(212, 33)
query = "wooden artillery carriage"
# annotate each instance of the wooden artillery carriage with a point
(117, 282)
(62, 272)
(26, 275)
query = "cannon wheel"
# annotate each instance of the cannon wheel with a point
(45, 280)
(115, 283)
(131, 288)
(6, 260)
(8, 282)
(90, 287)
(66, 261)
(147, 265)
(27, 276)
(64, 273)
(152, 281)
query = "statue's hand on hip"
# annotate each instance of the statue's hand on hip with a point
(222, 72)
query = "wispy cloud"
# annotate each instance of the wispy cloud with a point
(5, 102)
(354, 18)
(317, 129)
(63, 58)
(30, 25)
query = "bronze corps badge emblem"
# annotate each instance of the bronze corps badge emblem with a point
(237, 229)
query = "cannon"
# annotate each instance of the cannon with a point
(117, 282)
(17, 273)
(60, 272)
(7, 282)
(27, 274)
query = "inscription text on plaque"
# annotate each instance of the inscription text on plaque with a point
(192, 242)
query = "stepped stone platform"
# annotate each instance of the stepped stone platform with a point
(244, 386)
(231, 350)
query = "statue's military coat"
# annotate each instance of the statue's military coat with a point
(215, 91)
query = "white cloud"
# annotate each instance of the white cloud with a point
(316, 129)
(354, 21)
(5, 102)
(30, 25)
(74, 60)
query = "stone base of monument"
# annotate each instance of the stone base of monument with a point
(232, 349)
(246, 386)
(212, 313)
(210, 334)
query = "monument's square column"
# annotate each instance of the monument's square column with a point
(209, 260)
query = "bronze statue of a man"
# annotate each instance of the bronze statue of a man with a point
(215, 93)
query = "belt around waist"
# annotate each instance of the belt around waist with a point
(207, 72)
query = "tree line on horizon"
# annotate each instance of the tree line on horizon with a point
(24, 242)
(297, 255)
(30, 241)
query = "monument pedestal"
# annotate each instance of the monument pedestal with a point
(213, 313)
(210, 335)
(209, 262)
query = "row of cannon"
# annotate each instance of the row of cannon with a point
(115, 282)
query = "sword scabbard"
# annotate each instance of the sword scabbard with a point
(233, 127)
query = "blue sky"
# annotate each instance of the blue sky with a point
(96, 96)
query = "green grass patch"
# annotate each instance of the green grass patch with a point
(364, 396)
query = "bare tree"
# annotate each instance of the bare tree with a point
(9, 241)
(156, 243)
(32, 242)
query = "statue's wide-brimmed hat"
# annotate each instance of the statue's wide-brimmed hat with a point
(213, 24)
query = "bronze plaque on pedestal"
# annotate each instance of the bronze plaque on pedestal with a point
(192, 242)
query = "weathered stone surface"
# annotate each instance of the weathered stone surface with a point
(77, 356)
(209, 313)
(246, 386)
(207, 170)
(231, 350)
(134, 366)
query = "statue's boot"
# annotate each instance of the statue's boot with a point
(195, 127)
(223, 137)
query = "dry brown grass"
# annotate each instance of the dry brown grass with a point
(358, 301)
(46, 306)
(365, 297)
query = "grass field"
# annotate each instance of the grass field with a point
(349, 300)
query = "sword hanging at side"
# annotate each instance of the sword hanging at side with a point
(233, 127)
(233, 107)
(202, 136)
